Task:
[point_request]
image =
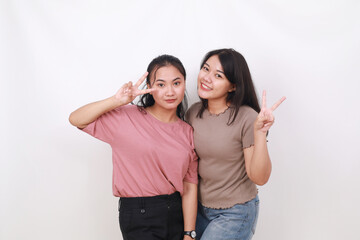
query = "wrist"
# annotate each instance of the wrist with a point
(190, 234)
(260, 134)
(115, 102)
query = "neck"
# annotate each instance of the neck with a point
(162, 114)
(217, 106)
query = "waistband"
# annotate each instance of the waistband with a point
(149, 201)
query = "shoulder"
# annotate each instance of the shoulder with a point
(195, 107)
(184, 129)
(185, 126)
(192, 111)
(246, 110)
(130, 109)
(246, 114)
(127, 112)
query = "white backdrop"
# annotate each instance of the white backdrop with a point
(55, 181)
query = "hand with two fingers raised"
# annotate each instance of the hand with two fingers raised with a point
(128, 92)
(90, 112)
(265, 119)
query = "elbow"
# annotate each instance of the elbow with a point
(190, 189)
(260, 180)
(72, 119)
(260, 175)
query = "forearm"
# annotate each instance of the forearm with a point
(260, 167)
(189, 205)
(257, 160)
(90, 112)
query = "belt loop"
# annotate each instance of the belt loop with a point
(169, 200)
(142, 205)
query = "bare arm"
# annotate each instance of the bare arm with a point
(189, 205)
(90, 112)
(257, 159)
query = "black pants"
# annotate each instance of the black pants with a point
(148, 218)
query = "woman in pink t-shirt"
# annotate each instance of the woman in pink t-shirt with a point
(154, 162)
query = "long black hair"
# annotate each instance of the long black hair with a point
(147, 100)
(237, 72)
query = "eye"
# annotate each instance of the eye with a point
(160, 84)
(177, 83)
(218, 76)
(205, 68)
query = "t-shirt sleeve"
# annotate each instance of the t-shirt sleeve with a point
(103, 127)
(192, 174)
(248, 128)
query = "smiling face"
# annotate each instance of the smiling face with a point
(169, 84)
(212, 82)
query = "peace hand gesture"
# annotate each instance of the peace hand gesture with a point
(265, 119)
(128, 92)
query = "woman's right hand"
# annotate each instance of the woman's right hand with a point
(265, 118)
(128, 92)
(90, 112)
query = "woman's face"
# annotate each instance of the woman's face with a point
(212, 82)
(169, 84)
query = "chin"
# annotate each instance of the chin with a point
(203, 95)
(171, 106)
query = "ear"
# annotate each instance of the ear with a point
(233, 88)
(148, 87)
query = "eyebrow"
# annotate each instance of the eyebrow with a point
(216, 70)
(161, 80)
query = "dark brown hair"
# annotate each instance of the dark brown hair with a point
(237, 72)
(147, 100)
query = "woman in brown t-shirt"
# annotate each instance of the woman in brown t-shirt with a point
(230, 138)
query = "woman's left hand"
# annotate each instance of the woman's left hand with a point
(265, 119)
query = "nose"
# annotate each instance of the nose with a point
(170, 91)
(207, 77)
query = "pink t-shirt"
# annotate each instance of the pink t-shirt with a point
(150, 157)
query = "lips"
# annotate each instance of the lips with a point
(170, 100)
(205, 87)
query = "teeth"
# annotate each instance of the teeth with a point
(206, 87)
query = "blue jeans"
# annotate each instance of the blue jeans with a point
(235, 223)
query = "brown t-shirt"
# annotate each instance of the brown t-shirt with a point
(223, 179)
